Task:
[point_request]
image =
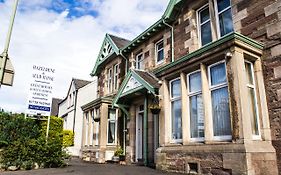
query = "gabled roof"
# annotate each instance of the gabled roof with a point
(169, 15)
(136, 80)
(80, 83)
(110, 46)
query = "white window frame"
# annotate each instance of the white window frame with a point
(92, 128)
(253, 86)
(115, 76)
(217, 13)
(109, 80)
(97, 111)
(199, 23)
(86, 128)
(157, 51)
(190, 94)
(171, 114)
(219, 86)
(139, 61)
(115, 132)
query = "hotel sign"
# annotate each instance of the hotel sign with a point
(40, 91)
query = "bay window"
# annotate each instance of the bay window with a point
(111, 126)
(220, 102)
(176, 110)
(196, 108)
(252, 99)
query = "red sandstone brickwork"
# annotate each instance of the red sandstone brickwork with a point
(261, 23)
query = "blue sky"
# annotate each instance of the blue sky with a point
(66, 35)
(77, 8)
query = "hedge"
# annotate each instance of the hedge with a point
(68, 138)
(24, 142)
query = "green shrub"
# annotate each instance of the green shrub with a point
(24, 142)
(68, 138)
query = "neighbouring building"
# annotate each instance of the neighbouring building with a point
(80, 92)
(199, 91)
(55, 107)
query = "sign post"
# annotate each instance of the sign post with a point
(40, 92)
(6, 68)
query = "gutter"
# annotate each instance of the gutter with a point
(75, 105)
(172, 41)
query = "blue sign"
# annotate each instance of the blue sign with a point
(40, 108)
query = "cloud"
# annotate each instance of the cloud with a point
(45, 36)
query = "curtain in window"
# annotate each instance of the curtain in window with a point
(111, 127)
(176, 120)
(221, 114)
(196, 116)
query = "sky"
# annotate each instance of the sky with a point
(66, 35)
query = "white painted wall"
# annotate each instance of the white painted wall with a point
(85, 95)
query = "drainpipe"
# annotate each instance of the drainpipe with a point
(145, 137)
(172, 41)
(76, 94)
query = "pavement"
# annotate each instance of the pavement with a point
(78, 167)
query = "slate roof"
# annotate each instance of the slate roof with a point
(80, 83)
(148, 77)
(118, 41)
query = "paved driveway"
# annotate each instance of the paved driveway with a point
(78, 167)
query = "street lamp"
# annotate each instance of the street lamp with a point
(6, 68)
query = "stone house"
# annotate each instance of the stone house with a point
(80, 92)
(196, 92)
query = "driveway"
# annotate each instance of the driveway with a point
(77, 167)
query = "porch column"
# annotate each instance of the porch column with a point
(206, 95)
(185, 109)
(145, 134)
(167, 114)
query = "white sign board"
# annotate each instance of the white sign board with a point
(40, 91)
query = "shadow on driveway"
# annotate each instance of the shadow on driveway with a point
(78, 167)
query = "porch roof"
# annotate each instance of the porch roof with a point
(137, 80)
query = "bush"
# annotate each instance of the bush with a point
(68, 138)
(24, 142)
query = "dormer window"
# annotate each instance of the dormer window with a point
(159, 47)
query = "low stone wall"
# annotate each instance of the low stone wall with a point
(232, 159)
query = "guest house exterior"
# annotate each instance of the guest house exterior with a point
(196, 92)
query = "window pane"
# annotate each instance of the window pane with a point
(204, 15)
(226, 24)
(249, 75)
(111, 131)
(221, 115)
(196, 116)
(176, 120)
(160, 55)
(253, 111)
(195, 82)
(206, 34)
(223, 4)
(176, 88)
(111, 126)
(218, 74)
